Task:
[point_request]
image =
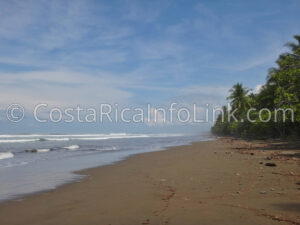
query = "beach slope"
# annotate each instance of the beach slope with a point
(203, 183)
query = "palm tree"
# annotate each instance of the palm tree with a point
(239, 97)
(295, 47)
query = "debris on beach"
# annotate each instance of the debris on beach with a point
(146, 222)
(270, 164)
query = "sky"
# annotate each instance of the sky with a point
(69, 53)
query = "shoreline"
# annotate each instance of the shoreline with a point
(17, 181)
(170, 186)
(84, 172)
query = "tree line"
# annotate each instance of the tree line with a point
(281, 91)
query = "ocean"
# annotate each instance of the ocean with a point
(32, 163)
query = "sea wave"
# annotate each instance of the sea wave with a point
(17, 140)
(55, 139)
(110, 136)
(6, 155)
(55, 135)
(112, 148)
(91, 138)
(13, 164)
(72, 147)
(42, 150)
(69, 137)
(19, 135)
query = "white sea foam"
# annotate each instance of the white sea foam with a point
(55, 135)
(112, 148)
(82, 135)
(133, 136)
(6, 155)
(91, 138)
(111, 137)
(14, 164)
(43, 150)
(17, 140)
(19, 135)
(68, 137)
(57, 139)
(72, 147)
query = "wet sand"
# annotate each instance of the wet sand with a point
(212, 182)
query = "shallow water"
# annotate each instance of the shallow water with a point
(33, 163)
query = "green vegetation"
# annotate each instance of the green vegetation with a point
(279, 98)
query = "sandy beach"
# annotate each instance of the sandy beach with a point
(212, 182)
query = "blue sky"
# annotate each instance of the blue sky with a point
(136, 52)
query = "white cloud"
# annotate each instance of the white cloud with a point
(73, 43)
(62, 88)
(257, 88)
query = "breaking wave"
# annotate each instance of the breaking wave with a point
(17, 140)
(42, 150)
(68, 137)
(6, 155)
(72, 147)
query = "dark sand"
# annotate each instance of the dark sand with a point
(205, 183)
